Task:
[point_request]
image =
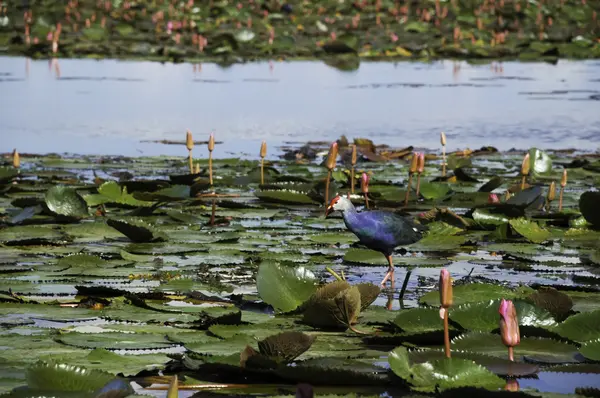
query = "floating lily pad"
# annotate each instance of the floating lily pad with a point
(483, 316)
(284, 287)
(442, 374)
(115, 341)
(434, 190)
(136, 230)
(531, 348)
(540, 162)
(419, 320)
(66, 201)
(530, 230)
(469, 293)
(62, 377)
(589, 206)
(341, 311)
(285, 197)
(581, 327)
(591, 349)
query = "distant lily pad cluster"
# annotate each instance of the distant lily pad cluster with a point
(341, 33)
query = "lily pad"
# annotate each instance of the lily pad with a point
(581, 327)
(531, 348)
(530, 230)
(591, 349)
(434, 190)
(285, 197)
(540, 161)
(589, 206)
(63, 377)
(66, 201)
(442, 374)
(469, 293)
(115, 341)
(284, 287)
(136, 230)
(419, 320)
(483, 316)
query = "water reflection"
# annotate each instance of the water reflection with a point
(398, 104)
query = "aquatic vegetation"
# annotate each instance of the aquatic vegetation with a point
(340, 33)
(116, 269)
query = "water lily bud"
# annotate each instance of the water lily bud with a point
(332, 156)
(189, 141)
(211, 142)
(263, 149)
(493, 198)
(551, 192)
(509, 324)
(16, 159)
(443, 138)
(445, 288)
(525, 165)
(414, 163)
(421, 162)
(364, 183)
(563, 180)
(354, 155)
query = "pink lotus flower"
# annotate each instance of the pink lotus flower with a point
(493, 198)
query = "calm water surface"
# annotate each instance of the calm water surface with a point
(108, 107)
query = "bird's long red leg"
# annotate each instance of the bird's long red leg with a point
(390, 273)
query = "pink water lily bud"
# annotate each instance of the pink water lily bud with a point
(445, 283)
(493, 198)
(509, 324)
(364, 183)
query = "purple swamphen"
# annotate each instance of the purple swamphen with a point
(378, 230)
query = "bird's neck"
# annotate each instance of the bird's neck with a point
(350, 217)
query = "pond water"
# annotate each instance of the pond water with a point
(109, 107)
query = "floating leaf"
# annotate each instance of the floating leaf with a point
(63, 377)
(442, 374)
(136, 230)
(368, 294)
(434, 190)
(532, 348)
(66, 201)
(557, 303)
(591, 349)
(581, 327)
(588, 205)
(419, 320)
(285, 347)
(540, 161)
(530, 230)
(286, 197)
(340, 311)
(470, 293)
(483, 316)
(486, 218)
(492, 184)
(115, 341)
(284, 287)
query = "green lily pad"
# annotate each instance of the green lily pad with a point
(66, 201)
(136, 230)
(341, 311)
(532, 348)
(419, 320)
(7, 174)
(488, 219)
(580, 327)
(442, 374)
(115, 341)
(112, 192)
(63, 377)
(483, 316)
(591, 349)
(173, 193)
(530, 230)
(434, 190)
(285, 197)
(470, 293)
(31, 235)
(540, 162)
(588, 205)
(284, 287)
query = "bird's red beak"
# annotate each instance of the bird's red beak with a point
(328, 211)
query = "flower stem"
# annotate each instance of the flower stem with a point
(511, 354)
(446, 334)
(443, 160)
(408, 189)
(210, 173)
(191, 160)
(262, 171)
(352, 180)
(335, 274)
(327, 189)
(560, 199)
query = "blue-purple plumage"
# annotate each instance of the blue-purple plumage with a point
(382, 231)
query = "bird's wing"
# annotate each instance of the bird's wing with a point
(383, 225)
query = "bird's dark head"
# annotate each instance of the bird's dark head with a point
(339, 203)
